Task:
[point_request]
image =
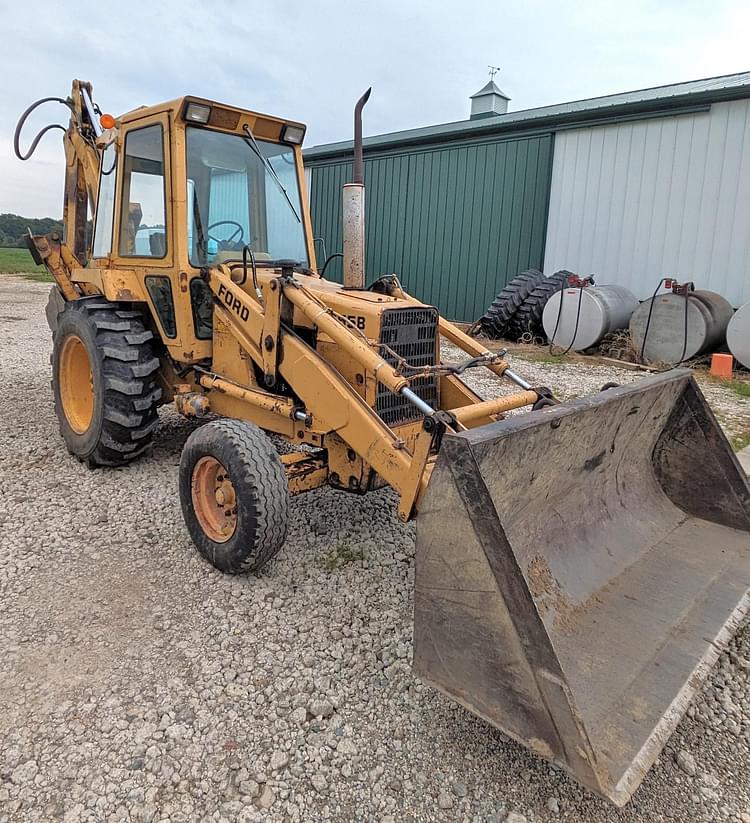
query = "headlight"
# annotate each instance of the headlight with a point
(293, 134)
(197, 113)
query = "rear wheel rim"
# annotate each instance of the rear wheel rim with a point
(76, 384)
(214, 499)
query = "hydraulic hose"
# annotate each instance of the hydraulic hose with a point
(325, 265)
(248, 252)
(22, 121)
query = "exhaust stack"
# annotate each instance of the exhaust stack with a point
(354, 209)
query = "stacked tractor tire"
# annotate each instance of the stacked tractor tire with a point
(516, 312)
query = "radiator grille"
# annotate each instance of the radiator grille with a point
(412, 334)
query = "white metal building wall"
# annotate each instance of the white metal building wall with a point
(668, 197)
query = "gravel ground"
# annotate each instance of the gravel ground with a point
(139, 684)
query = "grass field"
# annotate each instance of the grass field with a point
(19, 261)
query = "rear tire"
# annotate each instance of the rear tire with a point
(104, 381)
(498, 316)
(234, 495)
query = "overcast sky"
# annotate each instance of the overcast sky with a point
(311, 60)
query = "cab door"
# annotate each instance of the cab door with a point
(143, 232)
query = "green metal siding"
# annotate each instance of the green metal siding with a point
(455, 222)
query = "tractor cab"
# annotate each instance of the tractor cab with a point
(190, 184)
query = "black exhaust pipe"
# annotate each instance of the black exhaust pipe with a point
(359, 166)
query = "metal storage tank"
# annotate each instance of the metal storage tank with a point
(738, 335)
(603, 309)
(708, 315)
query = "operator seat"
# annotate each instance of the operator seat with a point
(157, 243)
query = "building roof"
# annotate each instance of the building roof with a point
(490, 88)
(677, 98)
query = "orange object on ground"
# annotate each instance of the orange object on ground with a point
(722, 365)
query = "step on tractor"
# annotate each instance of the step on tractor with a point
(579, 565)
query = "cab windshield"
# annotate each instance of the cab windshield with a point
(242, 191)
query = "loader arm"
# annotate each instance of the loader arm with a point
(330, 402)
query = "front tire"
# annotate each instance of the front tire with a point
(234, 495)
(104, 381)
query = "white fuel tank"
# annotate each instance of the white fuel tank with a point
(603, 309)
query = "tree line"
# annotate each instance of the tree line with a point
(14, 228)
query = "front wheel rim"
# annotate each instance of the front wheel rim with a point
(214, 499)
(76, 384)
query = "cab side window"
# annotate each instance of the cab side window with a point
(143, 215)
(105, 204)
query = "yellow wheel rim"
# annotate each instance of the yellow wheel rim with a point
(214, 499)
(76, 384)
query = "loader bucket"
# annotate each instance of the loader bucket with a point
(580, 568)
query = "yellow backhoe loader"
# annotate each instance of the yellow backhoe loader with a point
(579, 565)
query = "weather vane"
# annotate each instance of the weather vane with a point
(493, 71)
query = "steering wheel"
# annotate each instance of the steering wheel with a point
(239, 232)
